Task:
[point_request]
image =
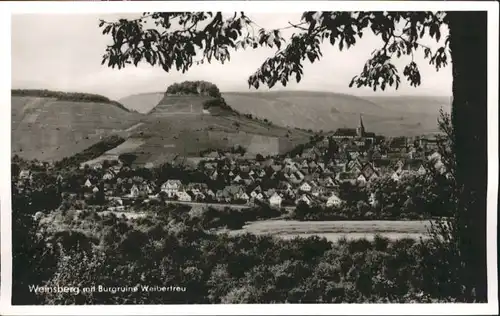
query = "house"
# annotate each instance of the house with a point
(304, 164)
(317, 191)
(356, 170)
(95, 189)
(372, 199)
(399, 165)
(232, 192)
(149, 189)
(134, 191)
(25, 174)
(244, 196)
(183, 196)
(237, 179)
(109, 175)
(305, 187)
(305, 199)
(333, 200)
(222, 195)
(329, 182)
(368, 170)
(197, 187)
(116, 168)
(421, 171)
(198, 195)
(255, 192)
(275, 200)
(88, 184)
(374, 176)
(345, 177)
(361, 179)
(345, 133)
(210, 193)
(171, 187)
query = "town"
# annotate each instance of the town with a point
(309, 174)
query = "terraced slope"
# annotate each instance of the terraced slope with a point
(49, 129)
(163, 138)
(391, 116)
(172, 105)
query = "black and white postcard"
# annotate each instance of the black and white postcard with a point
(249, 157)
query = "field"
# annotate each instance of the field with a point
(48, 129)
(333, 230)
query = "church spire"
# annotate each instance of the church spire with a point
(361, 127)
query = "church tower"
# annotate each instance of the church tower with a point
(360, 131)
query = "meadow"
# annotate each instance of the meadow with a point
(335, 230)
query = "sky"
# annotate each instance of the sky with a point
(64, 53)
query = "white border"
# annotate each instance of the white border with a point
(8, 8)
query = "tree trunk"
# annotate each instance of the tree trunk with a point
(468, 43)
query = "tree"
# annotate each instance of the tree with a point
(127, 159)
(214, 36)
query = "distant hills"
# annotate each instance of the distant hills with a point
(143, 102)
(49, 129)
(50, 125)
(390, 116)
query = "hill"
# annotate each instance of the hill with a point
(179, 126)
(390, 116)
(143, 102)
(52, 125)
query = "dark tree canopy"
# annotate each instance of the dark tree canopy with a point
(194, 88)
(178, 39)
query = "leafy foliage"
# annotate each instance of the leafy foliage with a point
(218, 268)
(178, 38)
(194, 88)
